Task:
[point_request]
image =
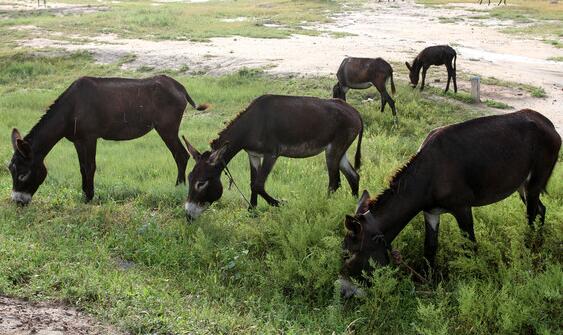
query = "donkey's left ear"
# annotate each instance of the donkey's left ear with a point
(217, 155)
(363, 203)
(408, 65)
(15, 137)
(352, 224)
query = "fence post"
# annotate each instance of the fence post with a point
(476, 89)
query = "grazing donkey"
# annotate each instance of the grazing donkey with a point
(361, 73)
(481, 1)
(91, 108)
(434, 55)
(274, 126)
(473, 163)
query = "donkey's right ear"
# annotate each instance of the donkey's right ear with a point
(352, 224)
(193, 151)
(15, 137)
(408, 65)
(363, 203)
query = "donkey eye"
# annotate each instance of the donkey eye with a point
(24, 177)
(199, 185)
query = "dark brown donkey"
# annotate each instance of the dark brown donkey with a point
(434, 55)
(474, 163)
(274, 126)
(91, 108)
(361, 73)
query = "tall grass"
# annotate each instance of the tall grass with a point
(272, 271)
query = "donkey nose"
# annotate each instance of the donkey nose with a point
(21, 198)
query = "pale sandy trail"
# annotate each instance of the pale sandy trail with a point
(395, 31)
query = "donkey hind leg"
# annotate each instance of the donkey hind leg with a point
(432, 223)
(169, 136)
(86, 150)
(450, 70)
(350, 173)
(258, 186)
(332, 161)
(255, 166)
(386, 98)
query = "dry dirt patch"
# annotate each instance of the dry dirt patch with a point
(18, 317)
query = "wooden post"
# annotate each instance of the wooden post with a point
(476, 89)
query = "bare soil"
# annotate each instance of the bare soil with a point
(18, 317)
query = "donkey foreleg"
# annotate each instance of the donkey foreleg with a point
(432, 223)
(262, 176)
(424, 69)
(86, 151)
(255, 161)
(464, 218)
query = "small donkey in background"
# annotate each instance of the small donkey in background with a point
(501, 1)
(434, 55)
(362, 73)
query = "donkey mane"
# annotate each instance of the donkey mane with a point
(216, 143)
(49, 113)
(395, 183)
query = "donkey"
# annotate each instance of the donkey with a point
(434, 55)
(473, 163)
(91, 108)
(274, 126)
(481, 1)
(361, 73)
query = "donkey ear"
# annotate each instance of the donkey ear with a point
(352, 224)
(15, 137)
(23, 147)
(408, 65)
(193, 151)
(217, 155)
(363, 203)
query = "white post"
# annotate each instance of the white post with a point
(476, 89)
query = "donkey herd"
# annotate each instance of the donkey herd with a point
(457, 167)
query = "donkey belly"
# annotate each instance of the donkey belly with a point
(360, 86)
(127, 126)
(301, 150)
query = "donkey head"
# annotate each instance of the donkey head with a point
(363, 241)
(413, 74)
(205, 179)
(27, 171)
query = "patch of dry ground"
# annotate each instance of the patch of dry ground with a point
(18, 317)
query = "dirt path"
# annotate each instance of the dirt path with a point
(19, 317)
(394, 31)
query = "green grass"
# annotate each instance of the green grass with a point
(496, 104)
(267, 273)
(187, 21)
(556, 58)
(535, 91)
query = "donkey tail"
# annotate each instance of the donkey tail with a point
(193, 104)
(392, 85)
(455, 58)
(358, 157)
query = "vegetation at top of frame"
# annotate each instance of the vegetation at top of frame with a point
(130, 257)
(190, 21)
(536, 18)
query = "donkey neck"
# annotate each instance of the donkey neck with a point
(234, 136)
(398, 204)
(47, 132)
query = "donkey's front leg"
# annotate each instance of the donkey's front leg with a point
(86, 150)
(432, 223)
(424, 69)
(255, 165)
(258, 186)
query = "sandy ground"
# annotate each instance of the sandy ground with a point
(19, 317)
(394, 31)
